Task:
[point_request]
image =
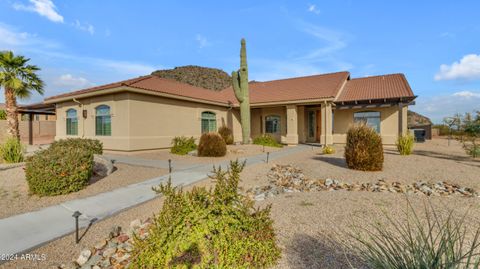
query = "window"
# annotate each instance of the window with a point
(209, 122)
(103, 121)
(37, 117)
(371, 118)
(272, 124)
(72, 122)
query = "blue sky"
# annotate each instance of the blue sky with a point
(84, 43)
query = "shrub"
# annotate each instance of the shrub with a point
(328, 150)
(431, 241)
(92, 145)
(11, 151)
(216, 228)
(226, 134)
(266, 140)
(59, 170)
(211, 145)
(182, 145)
(364, 149)
(3, 114)
(405, 144)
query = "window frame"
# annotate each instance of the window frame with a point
(208, 122)
(366, 117)
(106, 120)
(70, 122)
(278, 126)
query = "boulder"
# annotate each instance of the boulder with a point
(103, 166)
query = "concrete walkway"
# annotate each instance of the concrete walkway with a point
(24, 232)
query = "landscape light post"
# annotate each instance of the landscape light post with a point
(169, 166)
(76, 214)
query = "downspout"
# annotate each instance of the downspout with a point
(83, 119)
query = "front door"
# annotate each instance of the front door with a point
(311, 125)
(318, 126)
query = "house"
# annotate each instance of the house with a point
(148, 111)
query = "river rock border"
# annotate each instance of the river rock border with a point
(287, 178)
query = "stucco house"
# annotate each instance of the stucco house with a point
(147, 112)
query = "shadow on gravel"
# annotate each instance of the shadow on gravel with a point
(306, 251)
(467, 160)
(337, 161)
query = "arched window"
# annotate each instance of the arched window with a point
(272, 124)
(371, 118)
(103, 121)
(209, 122)
(72, 122)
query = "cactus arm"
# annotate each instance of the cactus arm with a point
(236, 87)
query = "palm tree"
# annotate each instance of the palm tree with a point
(19, 80)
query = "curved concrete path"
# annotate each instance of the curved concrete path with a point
(27, 231)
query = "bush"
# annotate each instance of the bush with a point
(266, 140)
(211, 145)
(328, 150)
(364, 149)
(216, 228)
(182, 145)
(416, 242)
(59, 170)
(405, 144)
(92, 145)
(3, 114)
(226, 134)
(12, 151)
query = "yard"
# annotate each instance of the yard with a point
(310, 225)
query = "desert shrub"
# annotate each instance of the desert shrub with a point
(211, 145)
(226, 134)
(3, 114)
(182, 145)
(328, 150)
(405, 144)
(215, 228)
(92, 145)
(266, 140)
(425, 239)
(364, 149)
(11, 151)
(59, 170)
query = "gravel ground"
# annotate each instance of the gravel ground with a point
(233, 152)
(311, 226)
(14, 197)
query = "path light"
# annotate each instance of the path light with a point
(76, 214)
(169, 166)
(268, 154)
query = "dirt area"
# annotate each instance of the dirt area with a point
(311, 225)
(233, 152)
(14, 197)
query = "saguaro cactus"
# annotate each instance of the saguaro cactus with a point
(240, 87)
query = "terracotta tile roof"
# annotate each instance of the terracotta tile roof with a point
(376, 87)
(300, 88)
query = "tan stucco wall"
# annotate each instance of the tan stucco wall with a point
(142, 122)
(389, 125)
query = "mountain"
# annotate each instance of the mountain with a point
(415, 119)
(205, 77)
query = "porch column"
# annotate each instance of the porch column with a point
(292, 125)
(326, 137)
(402, 119)
(301, 124)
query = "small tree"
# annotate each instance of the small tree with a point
(470, 134)
(452, 122)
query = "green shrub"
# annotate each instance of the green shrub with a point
(216, 228)
(328, 150)
(226, 134)
(182, 145)
(420, 240)
(92, 145)
(11, 151)
(3, 114)
(59, 170)
(211, 145)
(364, 149)
(405, 144)
(266, 140)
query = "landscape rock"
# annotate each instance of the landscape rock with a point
(84, 256)
(103, 166)
(286, 179)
